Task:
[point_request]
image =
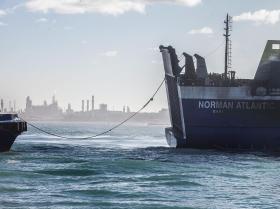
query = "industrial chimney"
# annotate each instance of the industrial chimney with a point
(83, 105)
(87, 105)
(92, 103)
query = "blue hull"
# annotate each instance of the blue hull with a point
(229, 125)
(231, 137)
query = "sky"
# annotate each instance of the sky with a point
(109, 48)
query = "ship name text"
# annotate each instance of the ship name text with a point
(241, 105)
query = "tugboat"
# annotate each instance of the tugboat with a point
(11, 126)
(211, 110)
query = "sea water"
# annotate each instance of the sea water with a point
(131, 167)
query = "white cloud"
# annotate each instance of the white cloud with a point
(11, 10)
(112, 7)
(111, 53)
(42, 20)
(190, 3)
(260, 17)
(204, 30)
(3, 24)
(2, 13)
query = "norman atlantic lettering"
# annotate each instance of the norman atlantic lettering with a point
(241, 105)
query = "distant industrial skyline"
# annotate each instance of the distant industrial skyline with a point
(52, 111)
(86, 105)
(110, 48)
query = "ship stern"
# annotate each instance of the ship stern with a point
(175, 135)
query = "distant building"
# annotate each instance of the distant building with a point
(10, 106)
(163, 111)
(54, 100)
(69, 109)
(45, 111)
(14, 106)
(87, 105)
(103, 107)
(92, 103)
(2, 105)
(83, 105)
(28, 104)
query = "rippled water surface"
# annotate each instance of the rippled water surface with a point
(131, 168)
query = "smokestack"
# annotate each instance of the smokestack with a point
(92, 103)
(87, 105)
(53, 99)
(14, 105)
(10, 106)
(83, 105)
(2, 105)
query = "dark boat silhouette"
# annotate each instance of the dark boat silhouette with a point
(10, 128)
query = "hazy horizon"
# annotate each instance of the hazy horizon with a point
(76, 49)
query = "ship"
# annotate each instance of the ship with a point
(11, 126)
(219, 110)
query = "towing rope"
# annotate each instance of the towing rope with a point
(104, 132)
